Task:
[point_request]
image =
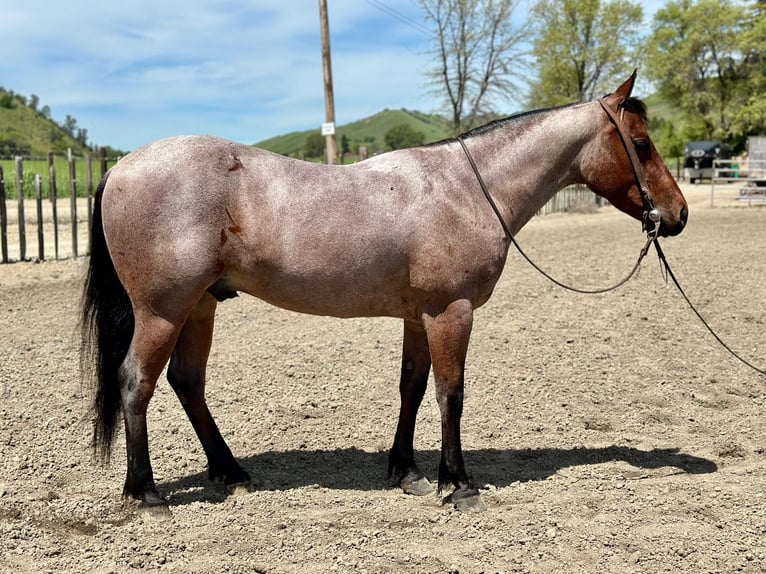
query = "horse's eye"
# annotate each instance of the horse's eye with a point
(641, 145)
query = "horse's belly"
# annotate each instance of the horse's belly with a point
(330, 294)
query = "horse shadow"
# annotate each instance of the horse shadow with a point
(354, 469)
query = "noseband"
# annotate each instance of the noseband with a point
(651, 213)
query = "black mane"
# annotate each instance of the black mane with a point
(635, 105)
(638, 106)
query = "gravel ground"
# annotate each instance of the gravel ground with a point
(609, 433)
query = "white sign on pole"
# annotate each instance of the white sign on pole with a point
(328, 129)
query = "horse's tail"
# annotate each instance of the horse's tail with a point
(107, 329)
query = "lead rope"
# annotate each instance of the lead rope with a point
(651, 237)
(669, 273)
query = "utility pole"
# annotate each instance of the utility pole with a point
(328, 128)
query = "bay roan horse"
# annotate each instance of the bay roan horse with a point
(186, 222)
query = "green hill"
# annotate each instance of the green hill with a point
(24, 130)
(368, 132)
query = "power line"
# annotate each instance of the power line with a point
(394, 13)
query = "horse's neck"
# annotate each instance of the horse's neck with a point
(525, 161)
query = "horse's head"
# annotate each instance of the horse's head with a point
(609, 170)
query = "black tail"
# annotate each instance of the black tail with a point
(107, 329)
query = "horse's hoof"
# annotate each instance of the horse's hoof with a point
(466, 500)
(154, 512)
(239, 488)
(419, 487)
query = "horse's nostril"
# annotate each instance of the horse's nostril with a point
(684, 215)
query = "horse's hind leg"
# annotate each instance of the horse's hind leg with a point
(148, 354)
(416, 364)
(187, 377)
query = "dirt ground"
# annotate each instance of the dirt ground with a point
(608, 433)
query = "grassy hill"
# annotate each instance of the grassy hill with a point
(25, 131)
(368, 132)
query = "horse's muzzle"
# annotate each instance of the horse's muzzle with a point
(671, 228)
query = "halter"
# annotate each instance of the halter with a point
(651, 213)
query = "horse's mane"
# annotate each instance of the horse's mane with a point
(635, 105)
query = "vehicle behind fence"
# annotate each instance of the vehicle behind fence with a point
(699, 158)
(48, 216)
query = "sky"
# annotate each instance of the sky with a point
(134, 71)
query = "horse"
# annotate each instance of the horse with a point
(184, 223)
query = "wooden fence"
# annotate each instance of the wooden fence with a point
(60, 221)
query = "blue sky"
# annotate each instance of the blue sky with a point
(135, 71)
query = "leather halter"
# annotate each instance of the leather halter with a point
(651, 214)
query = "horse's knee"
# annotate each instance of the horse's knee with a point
(136, 391)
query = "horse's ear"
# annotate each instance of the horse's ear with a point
(622, 93)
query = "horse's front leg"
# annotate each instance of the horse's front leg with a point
(416, 364)
(448, 335)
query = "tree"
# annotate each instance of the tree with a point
(477, 52)
(345, 147)
(707, 59)
(81, 137)
(403, 136)
(69, 125)
(7, 100)
(582, 48)
(750, 118)
(345, 144)
(314, 145)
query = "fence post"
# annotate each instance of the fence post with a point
(3, 218)
(89, 190)
(22, 223)
(53, 190)
(73, 200)
(103, 162)
(40, 234)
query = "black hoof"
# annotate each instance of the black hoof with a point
(466, 500)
